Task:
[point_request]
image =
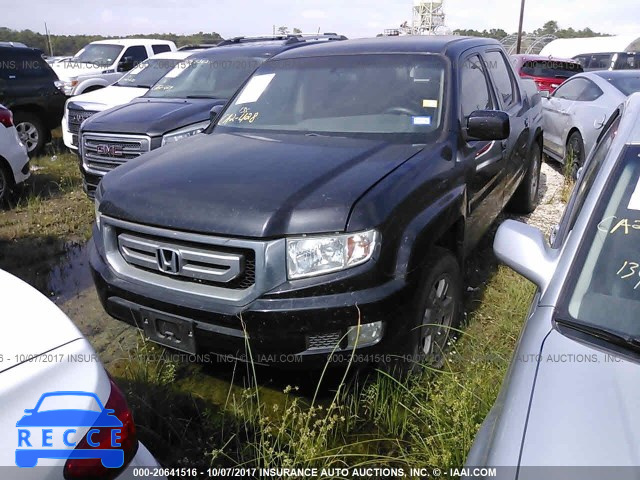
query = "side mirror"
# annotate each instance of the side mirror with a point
(215, 111)
(125, 64)
(488, 125)
(524, 249)
(545, 94)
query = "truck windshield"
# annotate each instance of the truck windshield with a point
(147, 73)
(98, 54)
(382, 94)
(205, 78)
(604, 287)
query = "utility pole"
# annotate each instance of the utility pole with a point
(48, 39)
(519, 44)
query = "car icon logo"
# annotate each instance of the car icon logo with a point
(37, 428)
(109, 150)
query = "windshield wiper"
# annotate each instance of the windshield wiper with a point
(611, 336)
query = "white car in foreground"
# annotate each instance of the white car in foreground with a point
(59, 408)
(14, 161)
(132, 85)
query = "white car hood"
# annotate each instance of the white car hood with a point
(67, 70)
(30, 323)
(585, 408)
(107, 97)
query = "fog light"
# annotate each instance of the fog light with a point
(368, 334)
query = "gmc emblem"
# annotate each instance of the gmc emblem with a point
(109, 150)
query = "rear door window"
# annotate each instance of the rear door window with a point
(160, 49)
(502, 78)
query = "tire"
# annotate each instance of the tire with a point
(574, 158)
(436, 311)
(31, 131)
(525, 199)
(6, 183)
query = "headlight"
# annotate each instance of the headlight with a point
(186, 132)
(69, 85)
(98, 214)
(310, 256)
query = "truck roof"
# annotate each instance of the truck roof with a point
(445, 44)
(127, 42)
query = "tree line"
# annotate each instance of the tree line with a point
(549, 28)
(70, 44)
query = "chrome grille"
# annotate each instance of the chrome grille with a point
(324, 341)
(102, 153)
(76, 116)
(205, 264)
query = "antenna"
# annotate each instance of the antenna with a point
(48, 39)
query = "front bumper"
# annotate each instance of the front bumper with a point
(283, 329)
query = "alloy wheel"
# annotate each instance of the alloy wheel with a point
(438, 318)
(28, 134)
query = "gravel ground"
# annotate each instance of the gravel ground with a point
(550, 207)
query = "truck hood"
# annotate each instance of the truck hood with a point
(152, 116)
(250, 186)
(107, 97)
(68, 70)
(31, 323)
(585, 408)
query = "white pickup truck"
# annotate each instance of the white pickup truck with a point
(103, 62)
(133, 84)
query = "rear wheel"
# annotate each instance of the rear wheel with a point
(575, 155)
(31, 131)
(437, 311)
(525, 199)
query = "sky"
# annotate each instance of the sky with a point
(353, 18)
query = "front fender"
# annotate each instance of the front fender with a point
(83, 85)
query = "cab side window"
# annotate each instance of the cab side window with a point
(474, 87)
(502, 77)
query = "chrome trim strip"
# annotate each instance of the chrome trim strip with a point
(270, 265)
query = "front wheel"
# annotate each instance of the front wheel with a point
(575, 155)
(525, 199)
(435, 315)
(31, 132)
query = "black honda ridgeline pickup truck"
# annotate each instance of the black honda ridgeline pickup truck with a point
(329, 207)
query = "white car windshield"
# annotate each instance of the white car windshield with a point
(386, 94)
(98, 54)
(147, 73)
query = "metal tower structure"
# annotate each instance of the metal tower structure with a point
(428, 17)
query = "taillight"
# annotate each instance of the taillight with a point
(93, 469)
(6, 117)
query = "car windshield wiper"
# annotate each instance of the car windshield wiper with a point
(611, 336)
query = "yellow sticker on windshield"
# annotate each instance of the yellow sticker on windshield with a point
(429, 103)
